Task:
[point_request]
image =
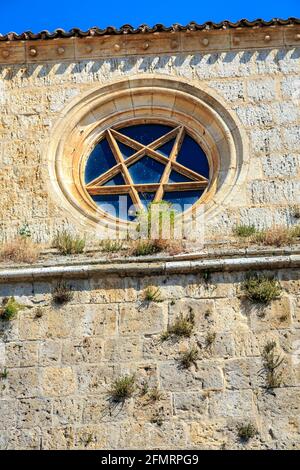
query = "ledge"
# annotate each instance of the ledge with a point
(181, 264)
(99, 44)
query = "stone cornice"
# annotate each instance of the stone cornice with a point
(95, 44)
(241, 260)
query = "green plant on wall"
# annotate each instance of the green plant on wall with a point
(272, 362)
(189, 357)
(261, 289)
(62, 293)
(24, 231)
(157, 222)
(4, 374)
(122, 388)
(182, 326)
(9, 309)
(68, 243)
(153, 294)
(247, 431)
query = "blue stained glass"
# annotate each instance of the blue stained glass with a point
(125, 150)
(117, 205)
(116, 180)
(178, 178)
(146, 170)
(145, 133)
(192, 156)
(183, 200)
(100, 160)
(146, 198)
(166, 149)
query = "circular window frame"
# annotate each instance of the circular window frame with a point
(80, 182)
(138, 99)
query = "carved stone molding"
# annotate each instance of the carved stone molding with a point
(162, 99)
(97, 47)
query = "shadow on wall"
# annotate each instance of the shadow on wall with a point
(145, 64)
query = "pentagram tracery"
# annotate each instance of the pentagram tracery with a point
(150, 159)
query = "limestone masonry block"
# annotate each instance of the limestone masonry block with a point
(58, 381)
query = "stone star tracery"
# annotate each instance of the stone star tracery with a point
(95, 187)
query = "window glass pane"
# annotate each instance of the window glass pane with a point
(116, 205)
(125, 150)
(145, 133)
(182, 198)
(166, 149)
(178, 178)
(100, 160)
(192, 156)
(116, 180)
(146, 170)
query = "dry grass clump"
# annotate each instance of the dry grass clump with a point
(182, 327)
(210, 338)
(275, 236)
(62, 293)
(295, 211)
(111, 246)
(155, 394)
(172, 247)
(150, 247)
(144, 248)
(68, 243)
(20, 250)
(295, 231)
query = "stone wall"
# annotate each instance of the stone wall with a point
(57, 365)
(261, 86)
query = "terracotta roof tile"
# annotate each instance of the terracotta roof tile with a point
(128, 29)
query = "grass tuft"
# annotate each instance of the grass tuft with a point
(247, 431)
(152, 294)
(261, 289)
(111, 246)
(62, 293)
(244, 231)
(4, 374)
(20, 250)
(295, 231)
(145, 248)
(9, 309)
(275, 236)
(210, 338)
(123, 388)
(151, 247)
(189, 357)
(272, 362)
(183, 326)
(68, 244)
(155, 394)
(295, 212)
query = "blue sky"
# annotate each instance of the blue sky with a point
(35, 15)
